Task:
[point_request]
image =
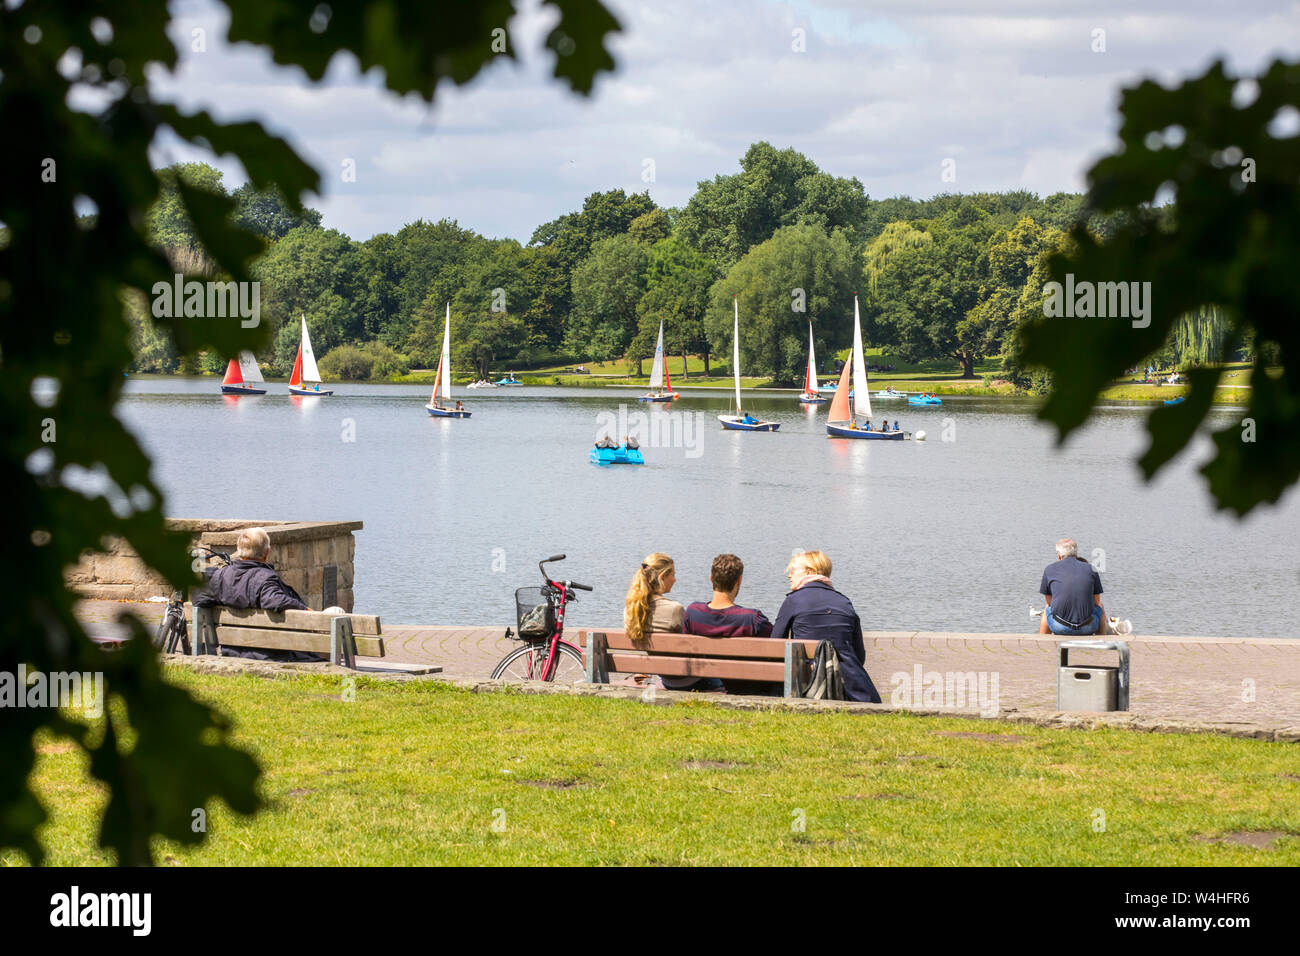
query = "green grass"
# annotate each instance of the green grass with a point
(417, 773)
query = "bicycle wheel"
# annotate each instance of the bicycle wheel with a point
(171, 631)
(525, 663)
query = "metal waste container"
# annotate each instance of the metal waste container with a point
(1092, 688)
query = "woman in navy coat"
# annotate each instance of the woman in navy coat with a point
(815, 611)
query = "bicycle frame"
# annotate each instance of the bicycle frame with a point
(563, 594)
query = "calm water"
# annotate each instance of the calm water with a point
(939, 535)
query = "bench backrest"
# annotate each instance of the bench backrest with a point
(688, 655)
(285, 630)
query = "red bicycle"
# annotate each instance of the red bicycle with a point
(539, 617)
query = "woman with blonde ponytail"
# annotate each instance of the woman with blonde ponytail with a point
(647, 611)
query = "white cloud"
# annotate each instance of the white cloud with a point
(1020, 100)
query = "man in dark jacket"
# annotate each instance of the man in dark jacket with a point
(250, 581)
(815, 611)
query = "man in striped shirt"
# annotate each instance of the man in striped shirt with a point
(723, 617)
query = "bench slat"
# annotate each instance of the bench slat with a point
(631, 663)
(292, 620)
(280, 640)
(746, 648)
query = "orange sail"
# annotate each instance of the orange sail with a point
(295, 379)
(233, 375)
(839, 410)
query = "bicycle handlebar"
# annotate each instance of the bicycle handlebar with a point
(580, 587)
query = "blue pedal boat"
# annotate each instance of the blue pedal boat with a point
(1176, 401)
(922, 400)
(621, 455)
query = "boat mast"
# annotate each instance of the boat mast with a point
(735, 349)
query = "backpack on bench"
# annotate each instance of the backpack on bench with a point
(826, 682)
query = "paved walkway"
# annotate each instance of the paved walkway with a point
(1242, 681)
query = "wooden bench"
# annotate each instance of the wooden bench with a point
(341, 637)
(686, 655)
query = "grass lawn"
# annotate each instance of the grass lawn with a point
(419, 773)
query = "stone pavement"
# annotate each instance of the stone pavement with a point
(1242, 682)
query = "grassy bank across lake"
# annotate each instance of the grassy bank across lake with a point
(425, 773)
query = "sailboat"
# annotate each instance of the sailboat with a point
(810, 394)
(442, 378)
(841, 421)
(305, 370)
(741, 421)
(243, 376)
(659, 391)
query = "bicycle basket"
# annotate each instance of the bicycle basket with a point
(534, 613)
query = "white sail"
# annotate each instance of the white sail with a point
(657, 370)
(735, 350)
(861, 397)
(248, 367)
(812, 363)
(444, 364)
(310, 373)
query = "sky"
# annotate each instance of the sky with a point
(994, 94)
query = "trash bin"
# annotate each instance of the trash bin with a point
(1092, 688)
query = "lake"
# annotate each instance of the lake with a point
(936, 535)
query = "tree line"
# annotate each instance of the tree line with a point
(949, 278)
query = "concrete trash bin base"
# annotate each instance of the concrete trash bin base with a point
(1093, 688)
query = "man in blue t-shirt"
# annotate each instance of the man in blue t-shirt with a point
(1072, 590)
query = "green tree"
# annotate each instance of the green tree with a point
(799, 275)
(311, 272)
(158, 752)
(607, 287)
(775, 188)
(922, 291)
(1230, 241)
(678, 279)
(267, 213)
(169, 222)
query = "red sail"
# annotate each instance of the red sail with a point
(839, 411)
(668, 380)
(233, 375)
(295, 379)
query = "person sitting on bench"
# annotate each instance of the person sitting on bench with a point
(1072, 589)
(723, 617)
(250, 581)
(815, 611)
(648, 611)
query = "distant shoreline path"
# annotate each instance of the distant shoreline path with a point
(1252, 684)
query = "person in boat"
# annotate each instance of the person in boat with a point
(630, 442)
(606, 442)
(723, 617)
(460, 406)
(251, 581)
(648, 610)
(746, 418)
(1072, 589)
(884, 426)
(815, 611)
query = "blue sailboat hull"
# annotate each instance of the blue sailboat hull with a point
(241, 390)
(445, 412)
(731, 423)
(844, 431)
(295, 390)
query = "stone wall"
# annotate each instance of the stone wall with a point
(302, 551)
